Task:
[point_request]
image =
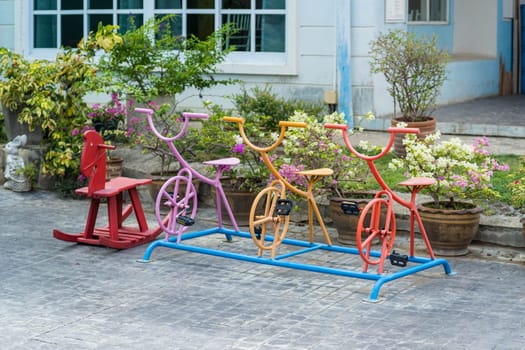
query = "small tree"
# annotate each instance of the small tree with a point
(415, 69)
(152, 61)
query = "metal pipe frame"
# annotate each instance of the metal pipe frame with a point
(380, 279)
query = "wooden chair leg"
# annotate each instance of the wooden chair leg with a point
(91, 218)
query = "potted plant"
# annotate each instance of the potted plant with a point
(50, 95)
(25, 178)
(462, 175)
(415, 69)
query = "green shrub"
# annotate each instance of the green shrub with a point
(262, 106)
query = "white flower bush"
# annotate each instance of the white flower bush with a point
(318, 147)
(461, 171)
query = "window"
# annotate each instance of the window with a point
(427, 10)
(260, 24)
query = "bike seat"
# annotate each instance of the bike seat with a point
(418, 181)
(232, 161)
(316, 172)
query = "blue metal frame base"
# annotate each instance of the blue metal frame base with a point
(380, 279)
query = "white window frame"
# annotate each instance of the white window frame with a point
(427, 22)
(236, 63)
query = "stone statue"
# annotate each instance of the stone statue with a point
(14, 161)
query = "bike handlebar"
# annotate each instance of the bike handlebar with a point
(392, 130)
(283, 124)
(187, 116)
(288, 124)
(234, 119)
(195, 115)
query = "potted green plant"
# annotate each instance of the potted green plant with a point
(462, 175)
(25, 178)
(50, 95)
(415, 69)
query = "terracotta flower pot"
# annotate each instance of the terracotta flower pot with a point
(426, 127)
(113, 168)
(346, 224)
(450, 231)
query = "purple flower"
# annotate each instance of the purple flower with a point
(238, 148)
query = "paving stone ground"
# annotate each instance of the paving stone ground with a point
(58, 295)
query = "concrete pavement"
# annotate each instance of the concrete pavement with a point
(58, 295)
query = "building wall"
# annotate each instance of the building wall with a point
(316, 70)
(474, 68)
(332, 53)
(7, 24)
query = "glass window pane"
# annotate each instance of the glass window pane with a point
(168, 4)
(72, 30)
(71, 4)
(236, 4)
(417, 10)
(130, 4)
(241, 38)
(201, 4)
(174, 25)
(45, 4)
(100, 4)
(200, 25)
(438, 10)
(45, 31)
(270, 4)
(130, 22)
(95, 19)
(270, 33)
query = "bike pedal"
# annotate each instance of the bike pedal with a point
(283, 207)
(350, 208)
(257, 230)
(185, 220)
(397, 259)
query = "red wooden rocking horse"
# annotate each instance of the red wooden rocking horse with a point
(115, 234)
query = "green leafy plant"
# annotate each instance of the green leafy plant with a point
(461, 171)
(217, 139)
(415, 69)
(267, 108)
(29, 172)
(517, 187)
(150, 61)
(50, 95)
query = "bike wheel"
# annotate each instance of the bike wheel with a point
(179, 196)
(264, 218)
(376, 225)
